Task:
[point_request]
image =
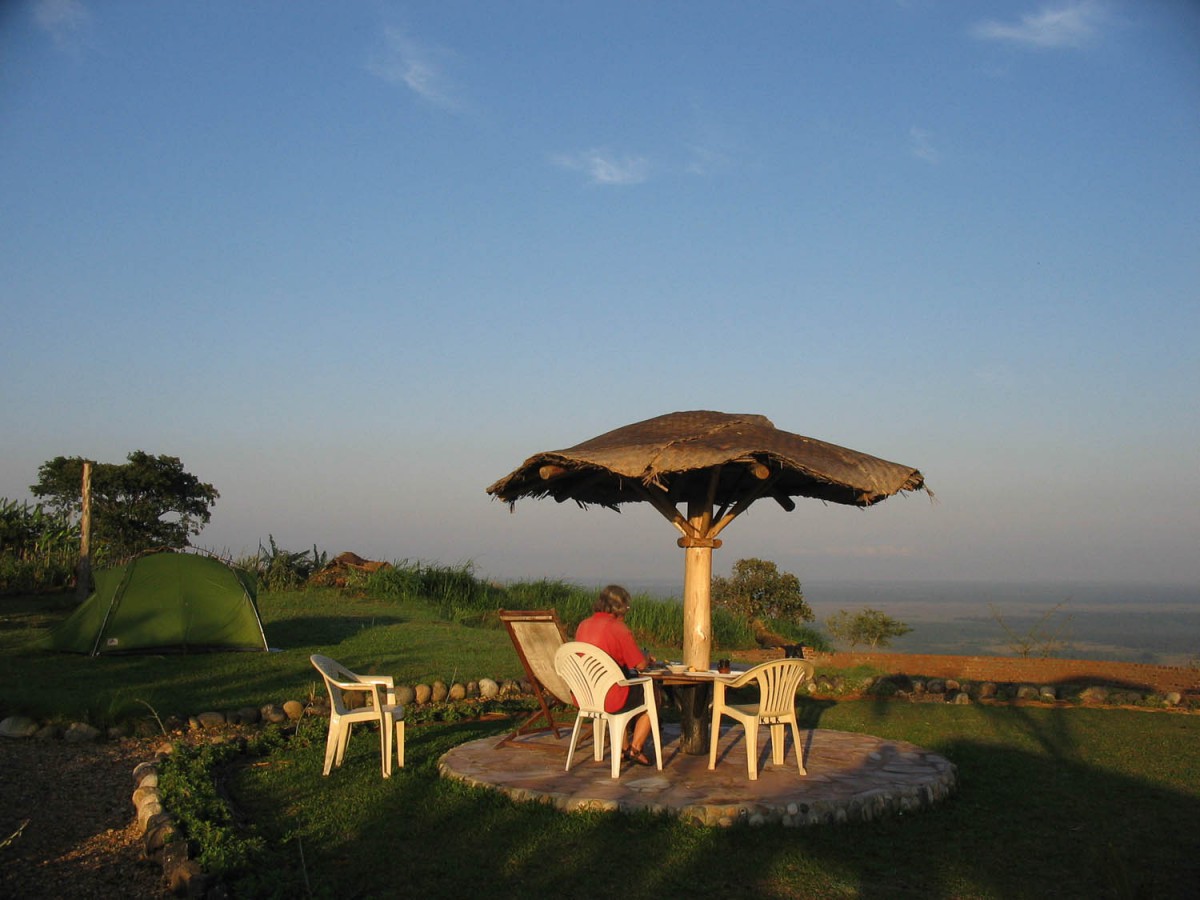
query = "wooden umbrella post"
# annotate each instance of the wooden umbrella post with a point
(697, 588)
(697, 626)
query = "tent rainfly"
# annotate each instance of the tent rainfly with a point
(165, 602)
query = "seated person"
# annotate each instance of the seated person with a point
(607, 630)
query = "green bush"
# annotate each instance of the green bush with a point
(282, 570)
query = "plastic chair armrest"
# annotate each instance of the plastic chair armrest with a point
(386, 681)
(630, 682)
(738, 681)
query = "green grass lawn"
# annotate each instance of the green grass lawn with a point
(1052, 802)
(403, 639)
(1063, 802)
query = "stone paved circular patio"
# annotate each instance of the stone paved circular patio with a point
(851, 777)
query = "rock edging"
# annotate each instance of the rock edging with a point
(162, 841)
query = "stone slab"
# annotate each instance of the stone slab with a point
(851, 777)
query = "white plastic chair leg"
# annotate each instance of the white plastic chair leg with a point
(799, 748)
(385, 743)
(712, 742)
(658, 760)
(343, 741)
(574, 740)
(331, 746)
(777, 744)
(400, 743)
(616, 728)
(751, 730)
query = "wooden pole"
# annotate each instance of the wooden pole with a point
(83, 572)
(697, 585)
(697, 630)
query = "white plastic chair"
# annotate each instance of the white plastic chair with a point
(383, 709)
(778, 682)
(590, 672)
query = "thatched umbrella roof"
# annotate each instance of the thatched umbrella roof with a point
(716, 464)
(680, 454)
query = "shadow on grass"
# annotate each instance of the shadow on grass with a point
(324, 631)
(1028, 820)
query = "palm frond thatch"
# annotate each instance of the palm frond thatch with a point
(701, 455)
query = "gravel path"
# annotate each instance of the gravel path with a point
(67, 821)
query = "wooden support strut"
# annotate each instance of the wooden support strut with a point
(657, 498)
(741, 506)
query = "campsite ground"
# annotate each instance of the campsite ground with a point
(66, 820)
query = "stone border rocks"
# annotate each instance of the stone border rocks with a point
(1142, 678)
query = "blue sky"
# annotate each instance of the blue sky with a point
(353, 262)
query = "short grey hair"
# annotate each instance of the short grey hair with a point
(613, 599)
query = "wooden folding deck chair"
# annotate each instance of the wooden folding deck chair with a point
(537, 634)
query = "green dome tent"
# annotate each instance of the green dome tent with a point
(160, 602)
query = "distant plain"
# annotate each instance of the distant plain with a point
(1158, 624)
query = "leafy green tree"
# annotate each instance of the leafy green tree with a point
(756, 589)
(146, 503)
(869, 626)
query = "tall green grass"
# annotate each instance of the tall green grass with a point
(460, 596)
(38, 549)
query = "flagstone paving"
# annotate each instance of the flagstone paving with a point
(851, 777)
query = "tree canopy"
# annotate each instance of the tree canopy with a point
(868, 626)
(756, 589)
(149, 502)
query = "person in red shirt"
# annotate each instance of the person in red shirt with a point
(607, 630)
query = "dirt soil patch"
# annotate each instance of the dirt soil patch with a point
(67, 821)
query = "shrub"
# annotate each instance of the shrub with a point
(281, 570)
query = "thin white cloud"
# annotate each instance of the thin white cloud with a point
(63, 20)
(603, 167)
(1065, 25)
(419, 67)
(920, 144)
(711, 148)
(705, 161)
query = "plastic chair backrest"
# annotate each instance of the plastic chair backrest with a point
(335, 674)
(589, 672)
(778, 682)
